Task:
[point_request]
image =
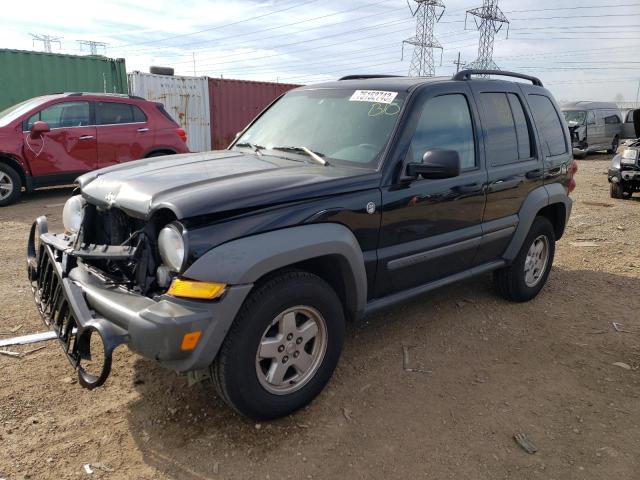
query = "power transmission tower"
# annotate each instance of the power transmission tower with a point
(489, 21)
(427, 13)
(46, 40)
(93, 46)
(458, 63)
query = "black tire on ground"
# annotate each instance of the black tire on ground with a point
(10, 185)
(614, 145)
(510, 281)
(616, 190)
(581, 155)
(235, 370)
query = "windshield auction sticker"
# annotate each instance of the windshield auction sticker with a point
(373, 96)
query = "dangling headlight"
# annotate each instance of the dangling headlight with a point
(73, 214)
(171, 247)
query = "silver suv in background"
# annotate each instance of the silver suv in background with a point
(594, 126)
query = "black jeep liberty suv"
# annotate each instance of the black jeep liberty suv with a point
(340, 199)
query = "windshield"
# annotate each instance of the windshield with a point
(12, 113)
(575, 117)
(342, 126)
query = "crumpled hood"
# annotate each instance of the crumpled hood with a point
(203, 183)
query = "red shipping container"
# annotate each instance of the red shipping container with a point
(235, 103)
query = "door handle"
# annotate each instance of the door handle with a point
(86, 137)
(142, 130)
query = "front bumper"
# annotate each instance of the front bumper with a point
(627, 175)
(76, 302)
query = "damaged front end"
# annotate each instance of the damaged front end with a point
(102, 284)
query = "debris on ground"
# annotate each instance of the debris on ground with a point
(347, 413)
(583, 244)
(622, 365)
(526, 444)
(405, 362)
(88, 469)
(16, 328)
(9, 353)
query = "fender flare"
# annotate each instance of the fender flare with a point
(246, 260)
(537, 199)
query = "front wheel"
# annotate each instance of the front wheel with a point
(617, 191)
(614, 145)
(526, 276)
(282, 347)
(10, 185)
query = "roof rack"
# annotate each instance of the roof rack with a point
(365, 77)
(120, 95)
(466, 75)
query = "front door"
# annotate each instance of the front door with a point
(431, 228)
(70, 147)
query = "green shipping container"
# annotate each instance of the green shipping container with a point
(25, 74)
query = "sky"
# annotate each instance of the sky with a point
(582, 50)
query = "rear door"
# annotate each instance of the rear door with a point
(431, 228)
(514, 164)
(70, 147)
(123, 133)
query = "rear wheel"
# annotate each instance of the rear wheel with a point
(282, 348)
(614, 145)
(10, 185)
(526, 276)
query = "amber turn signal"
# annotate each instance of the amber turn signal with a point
(194, 289)
(190, 340)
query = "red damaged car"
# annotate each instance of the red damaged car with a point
(53, 139)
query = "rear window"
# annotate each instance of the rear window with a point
(113, 113)
(549, 125)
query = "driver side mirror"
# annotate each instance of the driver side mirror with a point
(39, 128)
(436, 164)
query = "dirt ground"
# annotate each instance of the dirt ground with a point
(546, 369)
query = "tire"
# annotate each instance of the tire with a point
(159, 154)
(616, 190)
(511, 282)
(581, 155)
(614, 145)
(240, 374)
(10, 185)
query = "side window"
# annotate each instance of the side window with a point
(110, 113)
(591, 118)
(549, 125)
(63, 115)
(138, 115)
(501, 139)
(445, 123)
(522, 127)
(612, 120)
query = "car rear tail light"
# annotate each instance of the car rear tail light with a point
(573, 169)
(182, 134)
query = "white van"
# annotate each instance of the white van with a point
(594, 126)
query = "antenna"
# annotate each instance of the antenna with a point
(93, 46)
(46, 40)
(489, 21)
(427, 13)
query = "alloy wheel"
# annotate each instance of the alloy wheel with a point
(291, 350)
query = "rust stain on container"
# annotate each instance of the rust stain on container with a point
(235, 103)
